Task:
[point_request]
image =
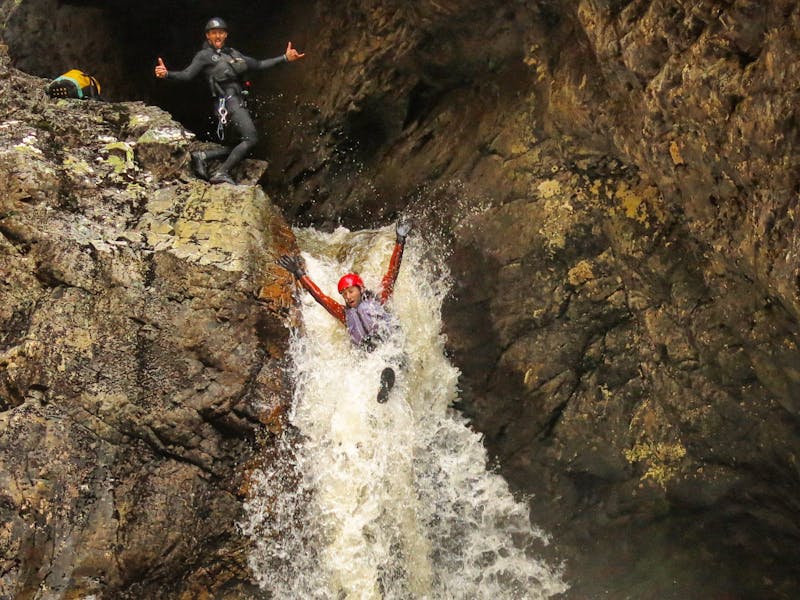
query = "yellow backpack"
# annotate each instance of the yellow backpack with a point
(74, 84)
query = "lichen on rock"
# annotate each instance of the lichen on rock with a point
(136, 364)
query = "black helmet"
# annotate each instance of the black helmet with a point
(216, 23)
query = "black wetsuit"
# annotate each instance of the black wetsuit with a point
(223, 68)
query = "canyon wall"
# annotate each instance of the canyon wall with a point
(614, 185)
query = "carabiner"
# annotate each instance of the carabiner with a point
(222, 112)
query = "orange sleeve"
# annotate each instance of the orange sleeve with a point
(388, 281)
(331, 305)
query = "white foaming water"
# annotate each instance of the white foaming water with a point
(392, 500)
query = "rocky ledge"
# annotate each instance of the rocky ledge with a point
(139, 359)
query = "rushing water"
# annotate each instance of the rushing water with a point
(387, 500)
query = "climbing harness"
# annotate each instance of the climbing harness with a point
(222, 113)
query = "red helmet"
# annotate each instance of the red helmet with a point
(350, 280)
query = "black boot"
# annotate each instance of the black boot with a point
(199, 165)
(387, 383)
(222, 177)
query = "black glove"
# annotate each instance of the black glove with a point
(403, 228)
(293, 264)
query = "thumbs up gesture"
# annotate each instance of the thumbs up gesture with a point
(161, 69)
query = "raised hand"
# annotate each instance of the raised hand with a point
(293, 264)
(403, 227)
(161, 69)
(292, 54)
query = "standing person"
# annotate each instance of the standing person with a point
(223, 67)
(363, 312)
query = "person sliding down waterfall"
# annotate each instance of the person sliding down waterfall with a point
(367, 321)
(224, 68)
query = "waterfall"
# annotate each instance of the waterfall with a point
(389, 500)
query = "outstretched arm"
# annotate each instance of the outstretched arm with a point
(328, 303)
(290, 55)
(294, 265)
(198, 62)
(403, 228)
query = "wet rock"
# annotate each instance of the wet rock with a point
(616, 180)
(136, 363)
(617, 184)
